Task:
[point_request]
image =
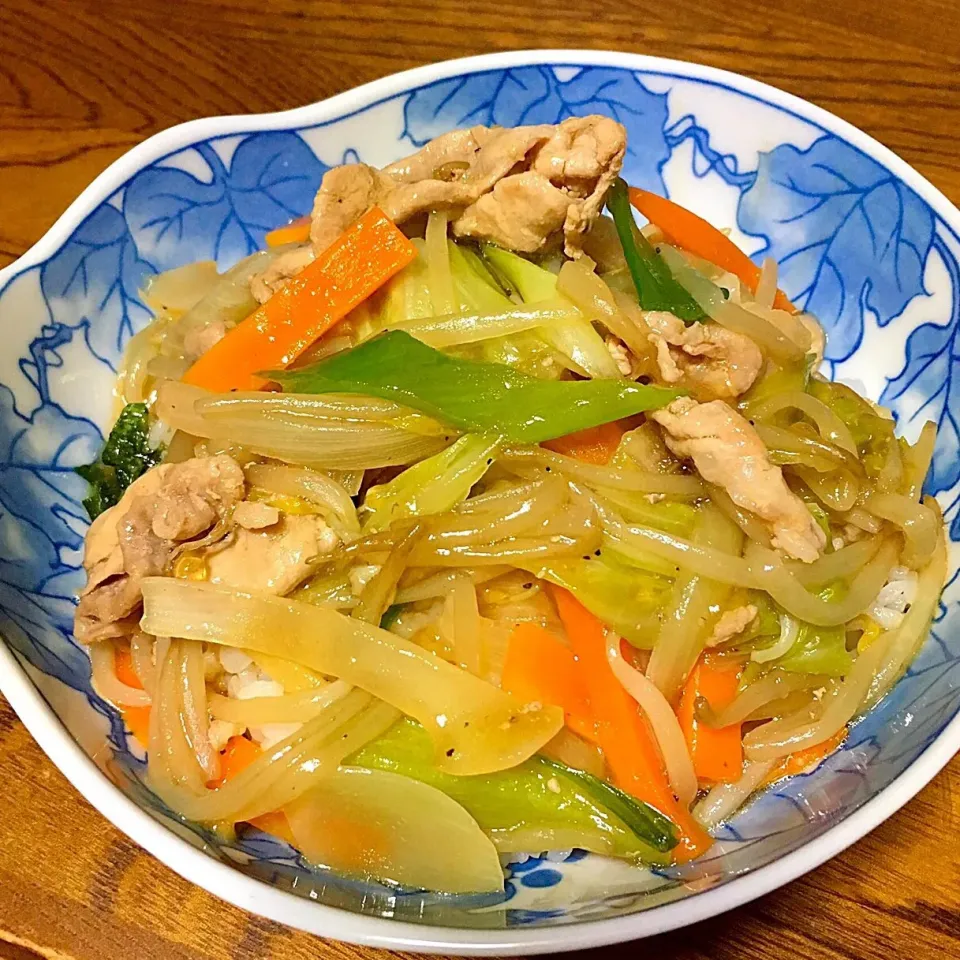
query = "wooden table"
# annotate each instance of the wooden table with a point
(81, 81)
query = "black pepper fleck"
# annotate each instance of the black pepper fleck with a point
(450, 752)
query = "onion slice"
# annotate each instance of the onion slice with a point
(477, 728)
(105, 678)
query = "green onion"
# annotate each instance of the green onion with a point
(473, 396)
(656, 287)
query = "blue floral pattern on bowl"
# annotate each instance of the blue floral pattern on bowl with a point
(855, 244)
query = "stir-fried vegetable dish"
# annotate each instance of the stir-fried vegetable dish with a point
(494, 508)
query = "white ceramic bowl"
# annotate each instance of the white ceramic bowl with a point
(862, 240)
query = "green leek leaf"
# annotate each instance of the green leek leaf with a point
(473, 396)
(656, 287)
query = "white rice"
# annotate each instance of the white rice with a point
(234, 660)
(894, 598)
(220, 731)
(248, 685)
(272, 733)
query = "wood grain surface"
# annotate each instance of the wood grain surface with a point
(81, 81)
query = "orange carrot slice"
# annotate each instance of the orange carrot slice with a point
(360, 261)
(123, 667)
(296, 231)
(717, 754)
(684, 229)
(625, 737)
(800, 761)
(137, 721)
(275, 823)
(238, 754)
(538, 667)
(593, 445)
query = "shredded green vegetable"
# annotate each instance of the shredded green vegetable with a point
(525, 807)
(820, 650)
(471, 395)
(780, 380)
(431, 486)
(626, 598)
(817, 650)
(872, 433)
(766, 624)
(573, 337)
(125, 456)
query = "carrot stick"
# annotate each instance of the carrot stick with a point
(684, 229)
(275, 823)
(296, 231)
(538, 667)
(123, 667)
(238, 754)
(798, 762)
(593, 445)
(627, 742)
(360, 261)
(137, 721)
(717, 754)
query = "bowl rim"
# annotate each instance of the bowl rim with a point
(265, 900)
